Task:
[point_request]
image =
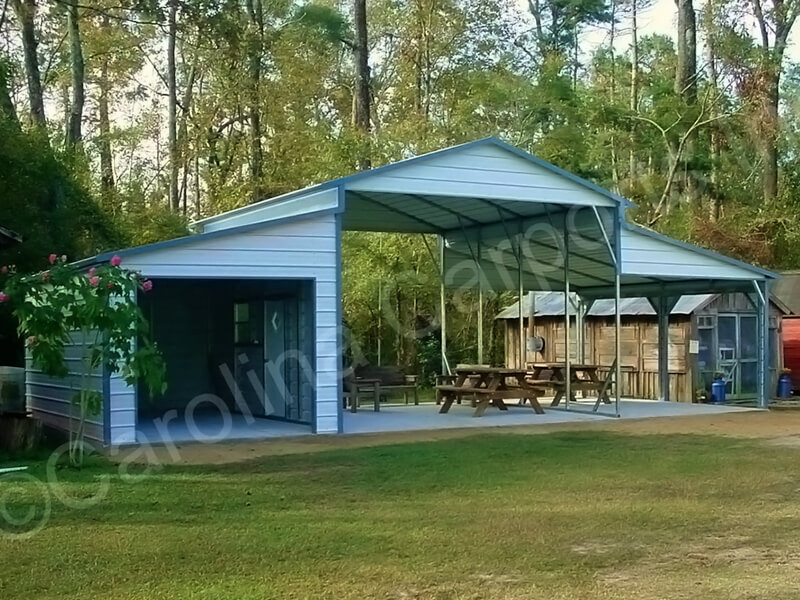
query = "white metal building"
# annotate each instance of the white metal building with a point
(252, 301)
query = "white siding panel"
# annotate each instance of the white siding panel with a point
(484, 171)
(645, 255)
(276, 208)
(304, 249)
(50, 398)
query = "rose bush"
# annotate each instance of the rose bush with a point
(101, 306)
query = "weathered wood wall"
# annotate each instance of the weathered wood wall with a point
(639, 351)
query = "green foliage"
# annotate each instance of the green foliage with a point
(99, 306)
(45, 198)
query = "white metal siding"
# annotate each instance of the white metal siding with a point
(49, 398)
(304, 249)
(484, 171)
(646, 255)
(275, 208)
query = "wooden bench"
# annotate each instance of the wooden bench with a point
(390, 379)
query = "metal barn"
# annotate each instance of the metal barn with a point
(248, 309)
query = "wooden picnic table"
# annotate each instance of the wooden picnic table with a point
(583, 378)
(489, 386)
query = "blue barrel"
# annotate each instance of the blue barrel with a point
(784, 386)
(718, 390)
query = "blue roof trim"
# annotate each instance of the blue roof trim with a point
(699, 250)
(275, 200)
(106, 256)
(347, 179)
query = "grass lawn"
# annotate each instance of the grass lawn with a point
(563, 515)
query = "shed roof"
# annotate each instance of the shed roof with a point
(8, 237)
(551, 304)
(787, 290)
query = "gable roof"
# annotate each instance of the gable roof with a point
(361, 176)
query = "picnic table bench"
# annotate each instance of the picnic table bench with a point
(583, 378)
(488, 386)
(377, 380)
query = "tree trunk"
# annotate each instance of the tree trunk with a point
(26, 12)
(715, 145)
(7, 110)
(186, 106)
(256, 13)
(361, 103)
(77, 72)
(104, 141)
(634, 97)
(172, 104)
(769, 130)
(686, 69)
(613, 95)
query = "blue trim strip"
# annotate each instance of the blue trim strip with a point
(106, 406)
(709, 253)
(339, 316)
(189, 239)
(311, 308)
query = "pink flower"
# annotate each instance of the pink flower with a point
(52, 258)
(115, 261)
(147, 285)
(30, 341)
(4, 297)
(94, 281)
(4, 269)
(46, 276)
(91, 272)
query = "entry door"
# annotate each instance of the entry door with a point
(278, 399)
(248, 339)
(738, 353)
(728, 351)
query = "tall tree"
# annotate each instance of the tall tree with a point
(104, 122)
(686, 69)
(172, 105)
(774, 26)
(255, 49)
(362, 93)
(25, 11)
(77, 76)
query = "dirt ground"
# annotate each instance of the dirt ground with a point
(776, 427)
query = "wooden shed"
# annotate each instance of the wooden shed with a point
(708, 333)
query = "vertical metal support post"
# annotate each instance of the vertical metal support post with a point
(579, 354)
(663, 311)
(522, 341)
(617, 345)
(380, 320)
(532, 315)
(443, 307)
(523, 344)
(763, 344)
(480, 307)
(567, 370)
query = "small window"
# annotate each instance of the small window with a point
(705, 321)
